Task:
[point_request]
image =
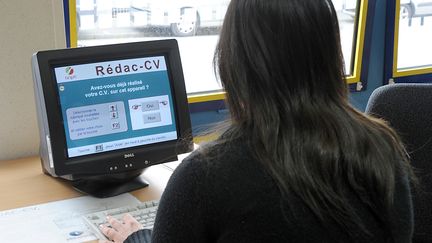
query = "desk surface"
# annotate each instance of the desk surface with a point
(22, 183)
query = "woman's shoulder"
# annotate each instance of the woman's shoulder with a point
(214, 161)
(218, 153)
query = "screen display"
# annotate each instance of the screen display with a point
(116, 104)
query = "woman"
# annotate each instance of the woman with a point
(297, 163)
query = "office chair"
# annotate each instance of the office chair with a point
(408, 109)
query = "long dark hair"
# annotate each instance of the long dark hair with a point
(281, 64)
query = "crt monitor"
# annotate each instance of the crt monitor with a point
(105, 113)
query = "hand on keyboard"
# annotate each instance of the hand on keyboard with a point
(138, 216)
(117, 230)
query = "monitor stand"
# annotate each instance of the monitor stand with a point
(110, 185)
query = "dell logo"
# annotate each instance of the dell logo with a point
(131, 155)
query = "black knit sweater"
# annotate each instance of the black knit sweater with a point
(221, 194)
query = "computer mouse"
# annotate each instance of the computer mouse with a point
(76, 233)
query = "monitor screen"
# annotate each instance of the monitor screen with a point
(115, 104)
(107, 112)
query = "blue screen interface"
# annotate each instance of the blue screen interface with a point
(116, 104)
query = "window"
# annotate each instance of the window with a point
(195, 25)
(352, 23)
(412, 52)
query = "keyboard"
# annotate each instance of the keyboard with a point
(145, 213)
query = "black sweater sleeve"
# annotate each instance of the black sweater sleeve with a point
(141, 236)
(182, 213)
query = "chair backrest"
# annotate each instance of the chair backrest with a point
(408, 109)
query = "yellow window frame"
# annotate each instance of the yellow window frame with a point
(409, 71)
(358, 57)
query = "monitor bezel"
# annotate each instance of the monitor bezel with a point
(144, 155)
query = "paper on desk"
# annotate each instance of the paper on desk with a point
(56, 222)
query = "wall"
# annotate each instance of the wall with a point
(25, 27)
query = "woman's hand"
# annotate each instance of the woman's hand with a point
(119, 230)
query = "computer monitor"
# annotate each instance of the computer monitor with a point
(106, 113)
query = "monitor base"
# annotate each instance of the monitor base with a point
(106, 188)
